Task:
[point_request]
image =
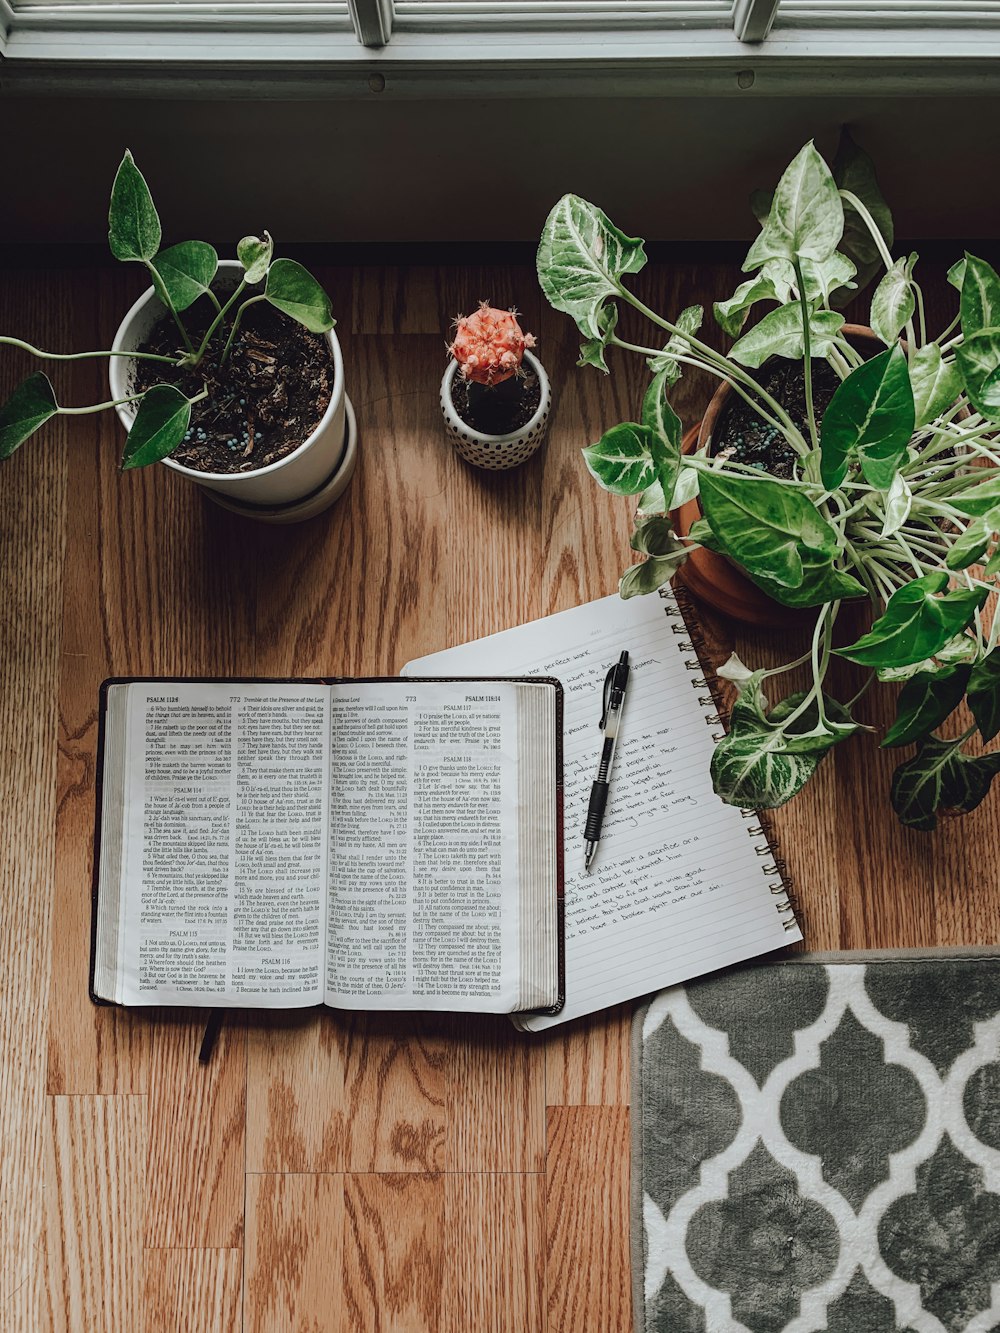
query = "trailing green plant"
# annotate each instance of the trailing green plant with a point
(180, 275)
(894, 493)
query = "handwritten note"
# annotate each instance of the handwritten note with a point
(678, 887)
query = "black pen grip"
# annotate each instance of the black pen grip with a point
(595, 811)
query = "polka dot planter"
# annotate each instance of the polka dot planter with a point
(497, 452)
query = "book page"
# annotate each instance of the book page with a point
(224, 856)
(677, 888)
(424, 910)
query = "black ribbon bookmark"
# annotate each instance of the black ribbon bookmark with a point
(212, 1029)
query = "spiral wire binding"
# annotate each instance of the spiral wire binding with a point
(679, 609)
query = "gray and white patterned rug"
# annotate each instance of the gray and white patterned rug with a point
(816, 1145)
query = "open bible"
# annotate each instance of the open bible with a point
(364, 844)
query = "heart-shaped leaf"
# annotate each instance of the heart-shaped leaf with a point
(30, 405)
(133, 224)
(917, 622)
(581, 259)
(779, 333)
(731, 315)
(821, 583)
(893, 303)
(984, 694)
(294, 291)
(821, 278)
(956, 274)
(871, 413)
(592, 351)
(940, 777)
(978, 358)
(806, 218)
(688, 323)
(970, 546)
(254, 253)
(160, 425)
(621, 461)
(655, 538)
(979, 499)
(980, 304)
(764, 526)
(665, 441)
(936, 384)
(898, 503)
(853, 170)
(185, 272)
(925, 701)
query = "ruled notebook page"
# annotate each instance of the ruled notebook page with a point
(678, 887)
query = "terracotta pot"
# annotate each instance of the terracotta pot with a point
(715, 579)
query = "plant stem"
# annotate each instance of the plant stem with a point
(82, 356)
(217, 321)
(806, 355)
(97, 407)
(921, 317)
(164, 295)
(236, 324)
(872, 226)
(727, 466)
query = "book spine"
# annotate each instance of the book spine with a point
(684, 625)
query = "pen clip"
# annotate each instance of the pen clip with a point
(609, 686)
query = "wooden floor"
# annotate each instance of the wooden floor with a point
(335, 1173)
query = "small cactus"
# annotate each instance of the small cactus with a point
(489, 345)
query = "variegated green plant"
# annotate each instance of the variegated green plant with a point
(895, 492)
(180, 275)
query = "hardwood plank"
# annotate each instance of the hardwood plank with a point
(494, 1271)
(94, 1202)
(294, 1254)
(33, 504)
(192, 1291)
(394, 1253)
(587, 1062)
(197, 1119)
(587, 1219)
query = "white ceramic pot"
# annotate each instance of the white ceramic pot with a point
(497, 452)
(291, 478)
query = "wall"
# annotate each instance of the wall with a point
(382, 170)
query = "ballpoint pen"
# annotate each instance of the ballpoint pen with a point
(615, 685)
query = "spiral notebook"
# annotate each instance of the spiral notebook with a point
(682, 884)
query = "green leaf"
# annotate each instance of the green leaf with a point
(764, 526)
(133, 225)
(254, 253)
(984, 694)
(821, 583)
(688, 323)
(621, 461)
(821, 278)
(969, 547)
(160, 425)
(854, 170)
(185, 272)
(980, 499)
(962, 648)
(687, 486)
(294, 291)
(30, 405)
(893, 303)
(592, 351)
(992, 566)
(760, 203)
(978, 358)
(898, 502)
(940, 777)
(763, 762)
(581, 259)
(916, 622)
(665, 441)
(871, 413)
(806, 218)
(731, 315)
(980, 305)
(936, 384)
(655, 538)
(779, 333)
(924, 703)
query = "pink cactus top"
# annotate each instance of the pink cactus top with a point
(489, 345)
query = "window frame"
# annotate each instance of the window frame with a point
(537, 48)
